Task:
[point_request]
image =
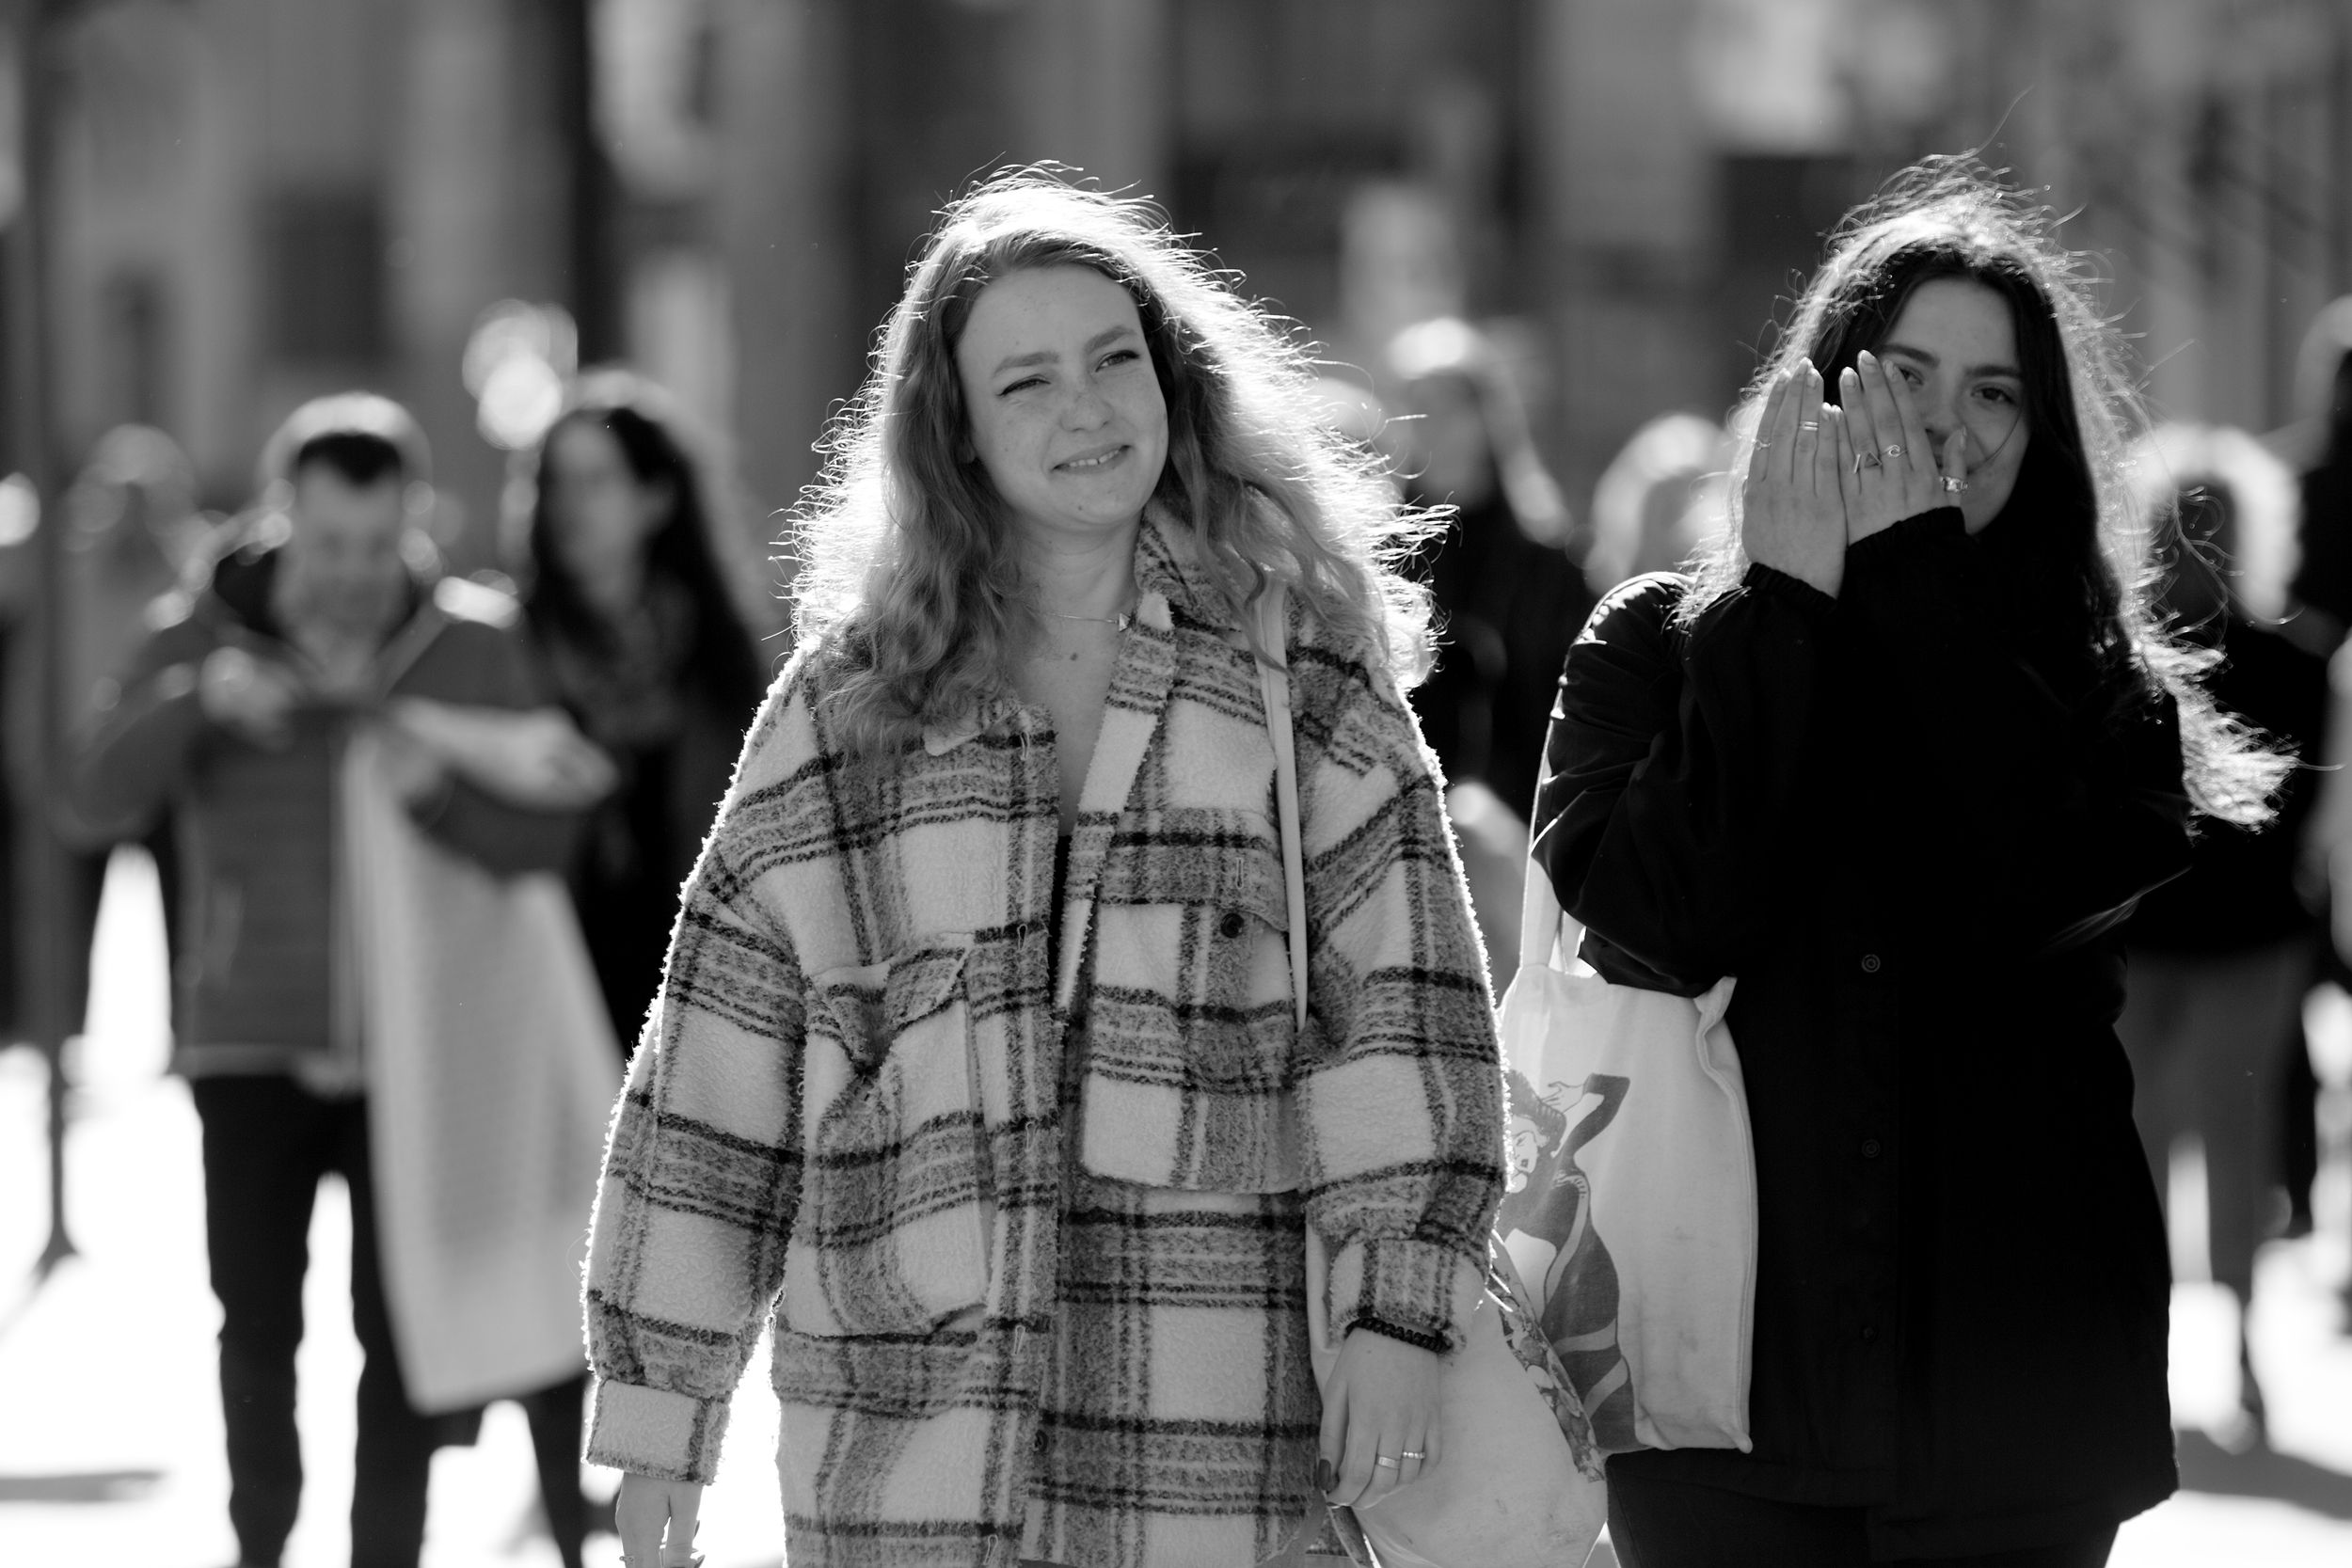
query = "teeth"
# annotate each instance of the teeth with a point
(1090, 462)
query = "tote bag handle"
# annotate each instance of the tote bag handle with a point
(1274, 680)
(1540, 915)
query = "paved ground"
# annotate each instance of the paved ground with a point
(111, 1425)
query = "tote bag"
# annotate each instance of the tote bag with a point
(1519, 1482)
(1630, 1212)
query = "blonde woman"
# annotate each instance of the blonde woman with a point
(975, 1056)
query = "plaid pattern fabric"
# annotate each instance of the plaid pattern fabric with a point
(852, 1097)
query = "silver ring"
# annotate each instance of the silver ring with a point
(1893, 450)
(1414, 1454)
(1865, 460)
(1383, 1460)
(1808, 424)
(1951, 486)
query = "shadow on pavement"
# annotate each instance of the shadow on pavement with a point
(82, 1486)
(2207, 1467)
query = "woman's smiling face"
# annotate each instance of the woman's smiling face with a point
(1955, 347)
(1064, 411)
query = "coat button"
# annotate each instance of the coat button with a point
(1230, 927)
(1870, 1149)
(1869, 963)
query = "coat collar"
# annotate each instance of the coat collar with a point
(1169, 576)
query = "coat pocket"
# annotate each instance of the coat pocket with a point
(1191, 1046)
(894, 1229)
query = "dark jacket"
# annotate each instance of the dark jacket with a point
(262, 981)
(1910, 828)
(2241, 891)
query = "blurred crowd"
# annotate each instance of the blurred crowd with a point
(448, 848)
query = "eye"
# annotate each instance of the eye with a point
(1911, 376)
(1020, 386)
(1121, 357)
(2001, 395)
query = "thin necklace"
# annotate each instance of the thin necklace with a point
(1124, 619)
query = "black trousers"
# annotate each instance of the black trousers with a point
(266, 1143)
(1656, 1523)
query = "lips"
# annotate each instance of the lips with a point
(1092, 461)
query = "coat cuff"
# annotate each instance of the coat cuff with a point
(656, 1432)
(1421, 1291)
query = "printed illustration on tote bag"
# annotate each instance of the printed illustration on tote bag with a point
(1547, 1225)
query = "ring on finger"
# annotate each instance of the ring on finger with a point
(1384, 1462)
(1865, 460)
(1808, 424)
(1413, 1454)
(1893, 450)
(1951, 485)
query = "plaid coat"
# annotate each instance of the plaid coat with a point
(1033, 1240)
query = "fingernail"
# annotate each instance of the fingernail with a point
(1866, 358)
(1325, 1478)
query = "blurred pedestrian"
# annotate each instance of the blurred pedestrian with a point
(240, 718)
(1661, 498)
(2222, 957)
(632, 586)
(973, 1058)
(1901, 756)
(1508, 597)
(2324, 396)
(134, 533)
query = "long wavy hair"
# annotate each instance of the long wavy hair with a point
(910, 573)
(723, 665)
(1951, 219)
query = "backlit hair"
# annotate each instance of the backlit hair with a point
(908, 570)
(1950, 218)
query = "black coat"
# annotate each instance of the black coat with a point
(1911, 826)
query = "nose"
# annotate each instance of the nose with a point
(1938, 418)
(1087, 407)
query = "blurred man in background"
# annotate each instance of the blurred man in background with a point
(236, 720)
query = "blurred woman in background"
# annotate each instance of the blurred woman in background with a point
(2222, 957)
(634, 591)
(1661, 497)
(1508, 596)
(1902, 756)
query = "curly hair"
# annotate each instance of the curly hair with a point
(1950, 217)
(910, 575)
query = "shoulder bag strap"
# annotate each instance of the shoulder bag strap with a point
(1274, 680)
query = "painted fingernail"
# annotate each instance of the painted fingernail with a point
(1325, 1478)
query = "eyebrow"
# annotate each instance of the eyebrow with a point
(1993, 367)
(1104, 339)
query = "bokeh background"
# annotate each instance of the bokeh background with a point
(255, 200)
(216, 209)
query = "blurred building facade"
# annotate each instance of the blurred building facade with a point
(266, 198)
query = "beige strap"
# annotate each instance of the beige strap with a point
(1274, 679)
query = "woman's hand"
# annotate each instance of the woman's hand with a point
(1792, 514)
(1380, 1404)
(643, 1507)
(1897, 475)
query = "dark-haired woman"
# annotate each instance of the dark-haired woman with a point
(1902, 756)
(629, 590)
